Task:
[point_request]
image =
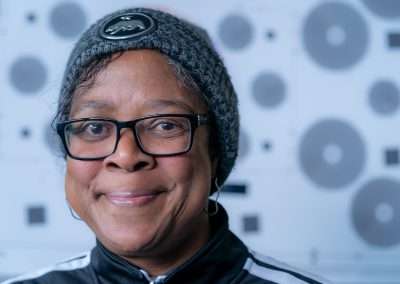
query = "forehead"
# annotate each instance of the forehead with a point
(140, 78)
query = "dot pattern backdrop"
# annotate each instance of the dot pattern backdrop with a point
(317, 182)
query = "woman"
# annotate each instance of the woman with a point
(149, 123)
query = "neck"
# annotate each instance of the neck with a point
(178, 251)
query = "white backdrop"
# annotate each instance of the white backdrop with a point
(318, 85)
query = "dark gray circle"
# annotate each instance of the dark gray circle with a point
(332, 153)
(25, 133)
(335, 35)
(244, 144)
(267, 146)
(389, 9)
(384, 97)
(68, 20)
(269, 89)
(376, 212)
(270, 34)
(235, 31)
(28, 74)
(31, 17)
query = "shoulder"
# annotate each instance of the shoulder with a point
(57, 272)
(273, 271)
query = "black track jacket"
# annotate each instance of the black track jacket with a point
(223, 260)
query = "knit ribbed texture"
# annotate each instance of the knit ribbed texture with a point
(185, 43)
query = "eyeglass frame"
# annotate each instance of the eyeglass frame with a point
(195, 120)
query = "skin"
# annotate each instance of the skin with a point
(165, 223)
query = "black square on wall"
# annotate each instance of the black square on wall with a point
(393, 39)
(250, 223)
(234, 188)
(36, 215)
(392, 157)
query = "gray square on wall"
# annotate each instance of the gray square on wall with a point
(251, 223)
(392, 157)
(36, 215)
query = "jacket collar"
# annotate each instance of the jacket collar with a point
(221, 258)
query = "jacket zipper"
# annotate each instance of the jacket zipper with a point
(155, 280)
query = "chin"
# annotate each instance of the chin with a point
(129, 241)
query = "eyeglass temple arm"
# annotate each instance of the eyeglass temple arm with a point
(202, 119)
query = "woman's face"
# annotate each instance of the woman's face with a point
(139, 205)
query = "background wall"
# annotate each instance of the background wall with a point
(317, 181)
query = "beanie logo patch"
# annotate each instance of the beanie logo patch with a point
(127, 26)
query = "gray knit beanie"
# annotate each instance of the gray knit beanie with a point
(183, 42)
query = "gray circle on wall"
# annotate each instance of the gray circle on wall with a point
(332, 153)
(28, 74)
(384, 97)
(269, 90)
(376, 212)
(389, 9)
(235, 31)
(335, 35)
(68, 20)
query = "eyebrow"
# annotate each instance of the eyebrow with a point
(151, 104)
(94, 104)
(159, 104)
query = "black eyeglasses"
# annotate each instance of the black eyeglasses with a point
(157, 135)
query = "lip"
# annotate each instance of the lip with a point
(131, 199)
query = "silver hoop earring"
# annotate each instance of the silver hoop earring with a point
(216, 207)
(73, 213)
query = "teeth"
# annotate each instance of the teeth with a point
(122, 194)
(121, 202)
(130, 199)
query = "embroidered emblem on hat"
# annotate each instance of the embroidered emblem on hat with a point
(127, 26)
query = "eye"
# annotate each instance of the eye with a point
(168, 127)
(95, 128)
(92, 130)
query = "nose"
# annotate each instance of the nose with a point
(128, 156)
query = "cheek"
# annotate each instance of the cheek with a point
(78, 178)
(81, 171)
(190, 172)
(179, 169)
